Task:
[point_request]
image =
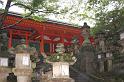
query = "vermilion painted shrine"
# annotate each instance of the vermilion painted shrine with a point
(50, 32)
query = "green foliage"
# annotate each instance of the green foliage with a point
(33, 58)
(108, 20)
(41, 8)
(36, 3)
(38, 18)
(61, 58)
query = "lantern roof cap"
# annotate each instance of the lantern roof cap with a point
(85, 25)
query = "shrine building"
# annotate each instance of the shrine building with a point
(43, 35)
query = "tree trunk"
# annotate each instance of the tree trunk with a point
(5, 12)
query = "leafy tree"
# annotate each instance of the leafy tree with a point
(109, 17)
(34, 8)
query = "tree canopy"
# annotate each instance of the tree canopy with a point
(106, 15)
(109, 18)
(109, 15)
(36, 9)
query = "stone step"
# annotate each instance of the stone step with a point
(78, 76)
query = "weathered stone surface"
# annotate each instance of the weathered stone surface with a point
(60, 70)
(4, 71)
(61, 80)
(22, 72)
(22, 68)
(45, 77)
(23, 79)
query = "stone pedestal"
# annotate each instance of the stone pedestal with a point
(4, 71)
(61, 80)
(23, 75)
(44, 78)
(23, 79)
(109, 64)
(22, 68)
(101, 66)
(101, 62)
(109, 60)
(61, 72)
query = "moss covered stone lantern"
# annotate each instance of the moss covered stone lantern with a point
(23, 69)
(60, 62)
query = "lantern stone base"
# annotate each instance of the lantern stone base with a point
(61, 80)
(59, 73)
(4, 72)
(23, 75)
(23, 79)
(44, 78)
(60, 70)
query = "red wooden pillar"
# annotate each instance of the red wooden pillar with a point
(42, 40)
(27, 40)
(51, 48)
(10, 39)
(42, 43)
(62, 39)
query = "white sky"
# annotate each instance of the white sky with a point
(53, 17)
(13, 9)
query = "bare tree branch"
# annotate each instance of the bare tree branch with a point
(36, 10)
(19, 4)
(27, 7)
(9, 26)
(5, 12)
(1, 2)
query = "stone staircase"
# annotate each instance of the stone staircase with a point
(78, 76)
(83, 77)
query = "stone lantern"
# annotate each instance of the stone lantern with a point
(86, 56)
(102, 46)
(101, 50)
(60, 62)
(109, 60)
(101, 63)
(85, 32)
(23, 69)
